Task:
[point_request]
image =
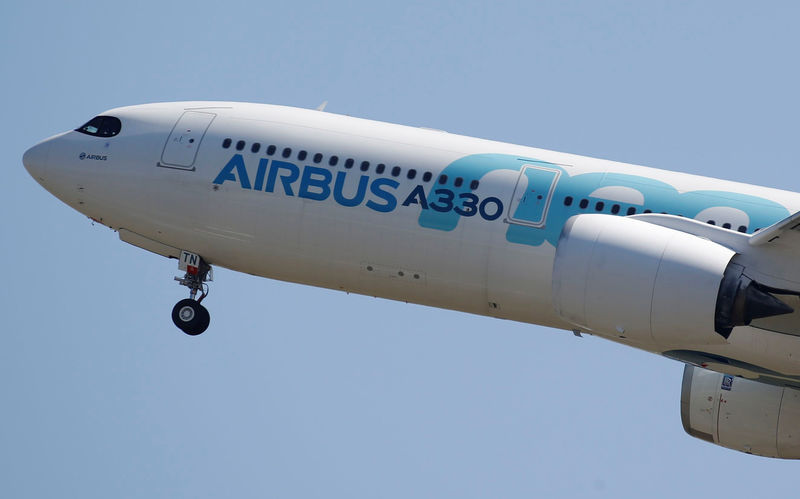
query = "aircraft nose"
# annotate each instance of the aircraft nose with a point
(35, 159)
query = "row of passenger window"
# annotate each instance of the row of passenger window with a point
(364, 166)
(600, 206)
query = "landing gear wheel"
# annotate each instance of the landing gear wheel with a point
(190, 317)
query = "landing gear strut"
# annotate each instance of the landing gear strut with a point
(188, 314)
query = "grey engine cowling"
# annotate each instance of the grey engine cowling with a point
(629, 278)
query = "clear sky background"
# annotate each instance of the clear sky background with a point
(297, 392)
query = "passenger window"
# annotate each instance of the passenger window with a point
(255, 147)
(333, 160)
(395, 171)
(426, 177)
(349, 163)
(584, 203)
(631, 211)
(726, 225)
(101, 126)
(568, 201)
(317, 158)
(458, 182)
(615, 209)
(648, 211)
(442, 179)
(380, 168)
(711, 222)
(287, 151)
(271, 150)
(364, 166)
(226, 143)
(302, 155)
(240, 145)
(411, 173)
(742, 228)
(599, 206)
(474, 184)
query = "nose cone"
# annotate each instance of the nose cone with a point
(35, 160)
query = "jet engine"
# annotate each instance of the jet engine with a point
(741, 414)
(623, 277)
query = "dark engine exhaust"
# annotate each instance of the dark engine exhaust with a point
(741, 299)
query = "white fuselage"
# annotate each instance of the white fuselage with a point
(481, 241)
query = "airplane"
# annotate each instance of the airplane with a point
(695, 269)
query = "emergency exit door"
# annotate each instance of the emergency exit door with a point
(532, 195)
(181, 148)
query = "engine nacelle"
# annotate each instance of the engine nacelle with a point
(741, 414)
(633, 279)
(624, 277)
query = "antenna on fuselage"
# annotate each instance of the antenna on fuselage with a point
(321, 107)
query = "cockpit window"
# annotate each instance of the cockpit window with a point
(101, 126)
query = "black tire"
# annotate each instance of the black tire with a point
(204, 319)
(190, 317)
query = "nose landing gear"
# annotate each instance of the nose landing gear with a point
(188, 314)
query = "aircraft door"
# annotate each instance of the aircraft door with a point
(532, 195)
(181, 148)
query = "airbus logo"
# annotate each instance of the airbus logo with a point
(378, 194)
(95, 157)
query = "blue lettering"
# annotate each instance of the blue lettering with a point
(262, 169)
(446, 198)
(470, 206)
(323, 184)
(417, 196)
(498, 208)
(315, 183)
(391, 201)
(226, 173)
(338, 187)
(286, 180)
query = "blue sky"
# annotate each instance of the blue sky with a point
(302, 392)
